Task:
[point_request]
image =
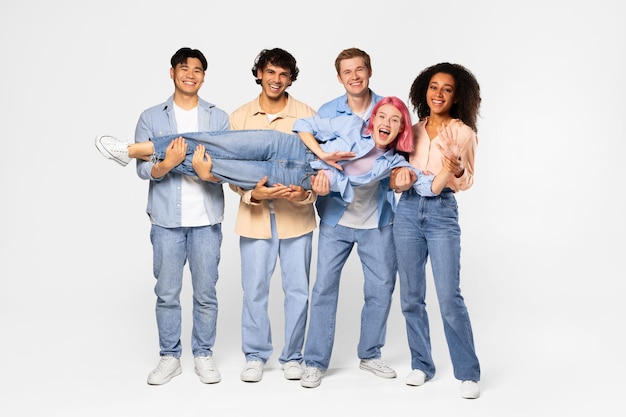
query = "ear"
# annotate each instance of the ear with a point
(172, 73)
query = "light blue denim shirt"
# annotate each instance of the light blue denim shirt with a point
(347, 134)
(164, 194)
(339, 107)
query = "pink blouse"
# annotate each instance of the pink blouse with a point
(427, 158)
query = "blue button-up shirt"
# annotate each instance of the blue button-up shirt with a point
(339, 107)
(347, 134)
(164, 194)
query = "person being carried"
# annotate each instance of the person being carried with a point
(326, 144)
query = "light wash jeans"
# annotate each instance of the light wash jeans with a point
(243, 157)
(377, 254)
(423, 227)
(172, 248)
(258, 261)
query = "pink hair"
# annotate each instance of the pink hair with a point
(404, 140)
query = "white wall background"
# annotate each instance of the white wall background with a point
(543, 227)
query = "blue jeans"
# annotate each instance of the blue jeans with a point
(378, 257)
(243, 157)
(258, 261)
(172, 248)
(428, 226)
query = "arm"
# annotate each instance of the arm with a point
(442, 178)
(313, 130)
(451, 160)
(461, 157)
(174, 155)
(402, 179)
(331, 158)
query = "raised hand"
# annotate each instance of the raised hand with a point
(450, 150)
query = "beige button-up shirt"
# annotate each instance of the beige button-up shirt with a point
(253, 219)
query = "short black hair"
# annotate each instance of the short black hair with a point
(278, 57)
(181, 56)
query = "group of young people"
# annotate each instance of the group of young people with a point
(287, 161)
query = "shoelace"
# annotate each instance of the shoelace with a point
(207, 364)
(163, 363)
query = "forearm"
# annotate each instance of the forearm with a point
(310, 142)
(160, 168)
(440, 181)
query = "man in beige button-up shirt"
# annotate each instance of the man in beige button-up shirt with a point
(274, 222)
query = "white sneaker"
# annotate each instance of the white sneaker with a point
(206, 370)
(168, 368)
(378, 367)
(312, 377)
(292, 370)
(416, 378)
(252, 372)
(470, 390)
(113, 148)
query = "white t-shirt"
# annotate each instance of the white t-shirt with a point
(193, 211)
(362, 213)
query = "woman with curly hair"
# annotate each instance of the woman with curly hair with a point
(446, 98)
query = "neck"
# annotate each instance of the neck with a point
(272, 105)
(359, 104)
(186, 102)
(438, 120)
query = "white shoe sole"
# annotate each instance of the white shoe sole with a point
(388, 375)
(106, 153)
(176, 372)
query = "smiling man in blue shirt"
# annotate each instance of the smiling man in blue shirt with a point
(186, 215)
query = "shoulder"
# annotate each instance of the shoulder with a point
(419, 125)
(300, 109)
(375, 97)
(208, 106)
(329, 108)
(245, 108)
(464, 133)
(461, 127)
(158, 108)
(239, 116)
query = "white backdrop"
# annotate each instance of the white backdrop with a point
(543, 226)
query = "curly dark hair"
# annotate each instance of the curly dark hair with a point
(278, 57)
(466, 92)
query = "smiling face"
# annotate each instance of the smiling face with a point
(440, 95)
(354, 76)
(274, 80)
(188, 77)
(386, 125)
